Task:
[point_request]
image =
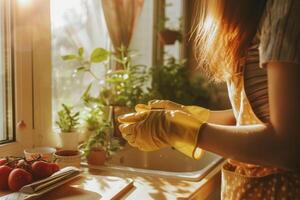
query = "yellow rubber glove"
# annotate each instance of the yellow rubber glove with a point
(197, 111)
(155, 129)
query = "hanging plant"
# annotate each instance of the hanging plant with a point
(169, 37)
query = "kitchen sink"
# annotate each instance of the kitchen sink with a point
(166, 162)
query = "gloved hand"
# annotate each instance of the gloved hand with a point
(197, 111)
(155, 129)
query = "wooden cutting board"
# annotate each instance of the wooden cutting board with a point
(91, 187)
(85, 187)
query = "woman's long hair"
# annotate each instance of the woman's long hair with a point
(223, 30)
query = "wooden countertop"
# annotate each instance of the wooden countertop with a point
(96, 184)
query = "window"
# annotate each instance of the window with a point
(82, 24)
(17, 62)
(6, 74)
(74, 24)
(43, 31)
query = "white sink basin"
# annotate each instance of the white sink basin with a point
(166, 162)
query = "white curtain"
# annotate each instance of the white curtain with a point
(75, 23)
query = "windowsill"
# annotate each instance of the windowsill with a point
(11, 149)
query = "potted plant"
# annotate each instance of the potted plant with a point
(127, 86)
(120, 91)
(122, 88)
(91, 120)
(168, 35)
(100, 145)
(67, 123)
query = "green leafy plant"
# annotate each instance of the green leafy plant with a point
(127, 86)
(67, 119)
(171, 81)
(93, 118)
(102, 139)
(123, 87)
(98, 55)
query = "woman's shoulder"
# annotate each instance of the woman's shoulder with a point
(281, 10)
(279, 32)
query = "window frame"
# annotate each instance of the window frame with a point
(28, 54)
(9, 128)
(42, 75)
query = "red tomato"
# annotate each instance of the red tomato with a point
(24, 165)
(4, 174)
(41, 169)
(3, 161)
(18, 178)
(54, 167)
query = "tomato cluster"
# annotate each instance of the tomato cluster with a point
(15, 172)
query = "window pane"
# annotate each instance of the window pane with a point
(75, 23)
(142, 39)
(6, 93)
(174, 13)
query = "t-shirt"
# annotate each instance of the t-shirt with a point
(280, 32)
(278, 39)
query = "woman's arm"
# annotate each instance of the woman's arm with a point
(223, 117)
(274, 144)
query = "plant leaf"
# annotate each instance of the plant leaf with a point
(80, 51)
(69, 57)
(88, 89)
(99, 55)
(80, 68)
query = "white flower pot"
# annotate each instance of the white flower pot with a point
(69, 140)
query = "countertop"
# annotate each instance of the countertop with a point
(96, 184)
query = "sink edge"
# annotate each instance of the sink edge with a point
(190, 176)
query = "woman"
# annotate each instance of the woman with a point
(254, 46)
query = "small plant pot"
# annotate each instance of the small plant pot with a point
(66, 158)
(69, 140)
(96, 157)
(168, 37)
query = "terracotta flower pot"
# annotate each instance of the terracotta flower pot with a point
(96, 157)
(168, 36)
